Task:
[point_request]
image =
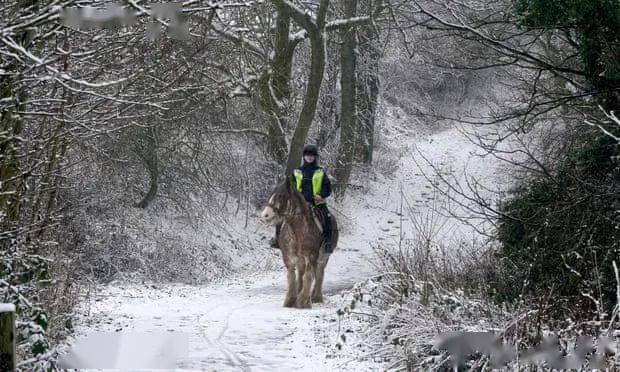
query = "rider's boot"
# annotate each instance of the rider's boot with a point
(327, 244)
(327, 233)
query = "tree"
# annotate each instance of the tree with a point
(315, 29)
(557, 62)
(367, 81)
(348, 97)
(60, 92)
(273, 91)
(591, 27)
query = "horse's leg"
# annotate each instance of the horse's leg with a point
(300, 277)
(303, 299)
(291, 292)
(317, 291)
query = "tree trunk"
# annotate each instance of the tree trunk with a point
(277, 141)
(148, 154)
(276, 123)
(10, 130)
(371, 94)
(346, 149)
(7, 337)
(315, 29)
(368, 91)
(274, 87)
(327, 115)
(153, 169)
(282, 63)
(317, 67)
(12, 184)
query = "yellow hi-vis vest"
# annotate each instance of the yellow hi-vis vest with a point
(317, 182)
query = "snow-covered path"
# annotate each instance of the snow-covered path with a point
(241, 324)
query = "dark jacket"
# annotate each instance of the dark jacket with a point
(306, 183)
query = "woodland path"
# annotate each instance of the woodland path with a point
(240, 325)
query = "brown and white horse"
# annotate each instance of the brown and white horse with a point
(300, 240)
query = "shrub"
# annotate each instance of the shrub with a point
(559, 236)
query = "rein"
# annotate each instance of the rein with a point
(309, 213)
(288, 214)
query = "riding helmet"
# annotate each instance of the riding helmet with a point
(311, 150)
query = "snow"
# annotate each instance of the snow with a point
(343, 22)
(299, 35)
(241, 324)
(294, 8)
(7, 308)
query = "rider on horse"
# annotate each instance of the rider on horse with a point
(312, 181)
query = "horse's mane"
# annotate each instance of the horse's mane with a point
(299, 202)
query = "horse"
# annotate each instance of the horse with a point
(300, 240)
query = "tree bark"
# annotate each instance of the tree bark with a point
(315, 79)
(10, 130)
(316, 33)
(148, 154)
(282, 63)
(277, 122)
(7, 337)
(328, 115)
(153, 169)
(12, 185)
(346, 149)
(368, 91)
(274, 87)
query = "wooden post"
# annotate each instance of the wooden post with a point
(7, 337)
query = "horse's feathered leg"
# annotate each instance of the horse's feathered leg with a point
(300, 277)
(317, 291)
(303, 299)
(291, 292)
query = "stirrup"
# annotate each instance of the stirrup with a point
(326, 245)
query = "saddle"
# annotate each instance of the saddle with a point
(319, 217)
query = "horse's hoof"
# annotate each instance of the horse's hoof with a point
(317, 299)
(304, 305)
(290, 302)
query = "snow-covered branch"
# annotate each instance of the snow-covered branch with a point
(301, 16)
(613, 120)
(237, 131)
(63, 75)
(332, 26)
(345, 23)
(239, 40)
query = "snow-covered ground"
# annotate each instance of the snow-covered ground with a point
(241, 325)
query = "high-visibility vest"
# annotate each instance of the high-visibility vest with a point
(317, 182)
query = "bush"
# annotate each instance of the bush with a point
(559, 236)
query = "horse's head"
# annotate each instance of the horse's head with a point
(281, 202)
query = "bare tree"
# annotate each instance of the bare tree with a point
(275, 73)
(367, 89)
(348, 96)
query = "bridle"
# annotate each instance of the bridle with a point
(287, 207)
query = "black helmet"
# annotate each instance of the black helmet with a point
(311, 150)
